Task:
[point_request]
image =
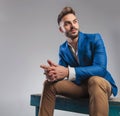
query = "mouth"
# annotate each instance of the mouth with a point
(73, 31)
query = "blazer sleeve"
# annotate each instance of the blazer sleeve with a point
(62, 62)
(98, 67)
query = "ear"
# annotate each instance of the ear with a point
(61, 29)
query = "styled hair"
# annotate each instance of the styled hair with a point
(66, 10)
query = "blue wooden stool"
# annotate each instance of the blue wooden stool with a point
(78, 106)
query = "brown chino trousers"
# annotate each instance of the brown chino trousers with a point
(96, 88)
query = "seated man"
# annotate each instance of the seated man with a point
(82, 69)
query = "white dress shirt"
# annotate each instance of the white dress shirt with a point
(71, 69)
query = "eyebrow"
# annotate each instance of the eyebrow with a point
(70, 21)
(73, 20)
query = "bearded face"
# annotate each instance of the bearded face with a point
(69, 26)
(72, 33)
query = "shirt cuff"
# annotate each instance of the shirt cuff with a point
(71, 73)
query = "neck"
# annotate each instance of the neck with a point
(73, 42)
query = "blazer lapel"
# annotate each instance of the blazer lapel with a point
(80, 48)
(71, 59)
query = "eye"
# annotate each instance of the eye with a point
(67, 23)
(75, 21)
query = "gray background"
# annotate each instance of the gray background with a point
(29, 36)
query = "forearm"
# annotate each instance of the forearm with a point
(88, 71)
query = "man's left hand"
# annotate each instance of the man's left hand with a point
(55, 72)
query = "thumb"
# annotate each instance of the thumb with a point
(51, 63)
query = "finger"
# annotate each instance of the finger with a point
(52, 80)
(51, 63)
(45, 73)
(51, 75)
(52, 72)
(44, 67)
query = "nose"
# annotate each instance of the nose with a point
(72, 25)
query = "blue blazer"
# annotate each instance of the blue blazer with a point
(92, 59)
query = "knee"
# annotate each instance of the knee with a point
(94, 80)
(96, 83)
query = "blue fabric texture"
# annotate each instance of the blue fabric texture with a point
(92, 59)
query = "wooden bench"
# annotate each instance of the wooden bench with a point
(78, 106)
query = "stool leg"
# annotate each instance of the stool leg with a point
(36, 110)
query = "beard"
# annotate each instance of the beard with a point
(70, 35)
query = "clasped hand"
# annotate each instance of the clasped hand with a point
(54, 72)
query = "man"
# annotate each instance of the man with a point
(82, 69)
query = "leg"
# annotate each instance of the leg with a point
(99, 91)
(63, 87)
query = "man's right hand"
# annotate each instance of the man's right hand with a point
(47, 68)
(54, 72)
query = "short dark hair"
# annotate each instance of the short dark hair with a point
(66, 10)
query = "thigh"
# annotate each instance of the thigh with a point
(101, 82)
(70, 89)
